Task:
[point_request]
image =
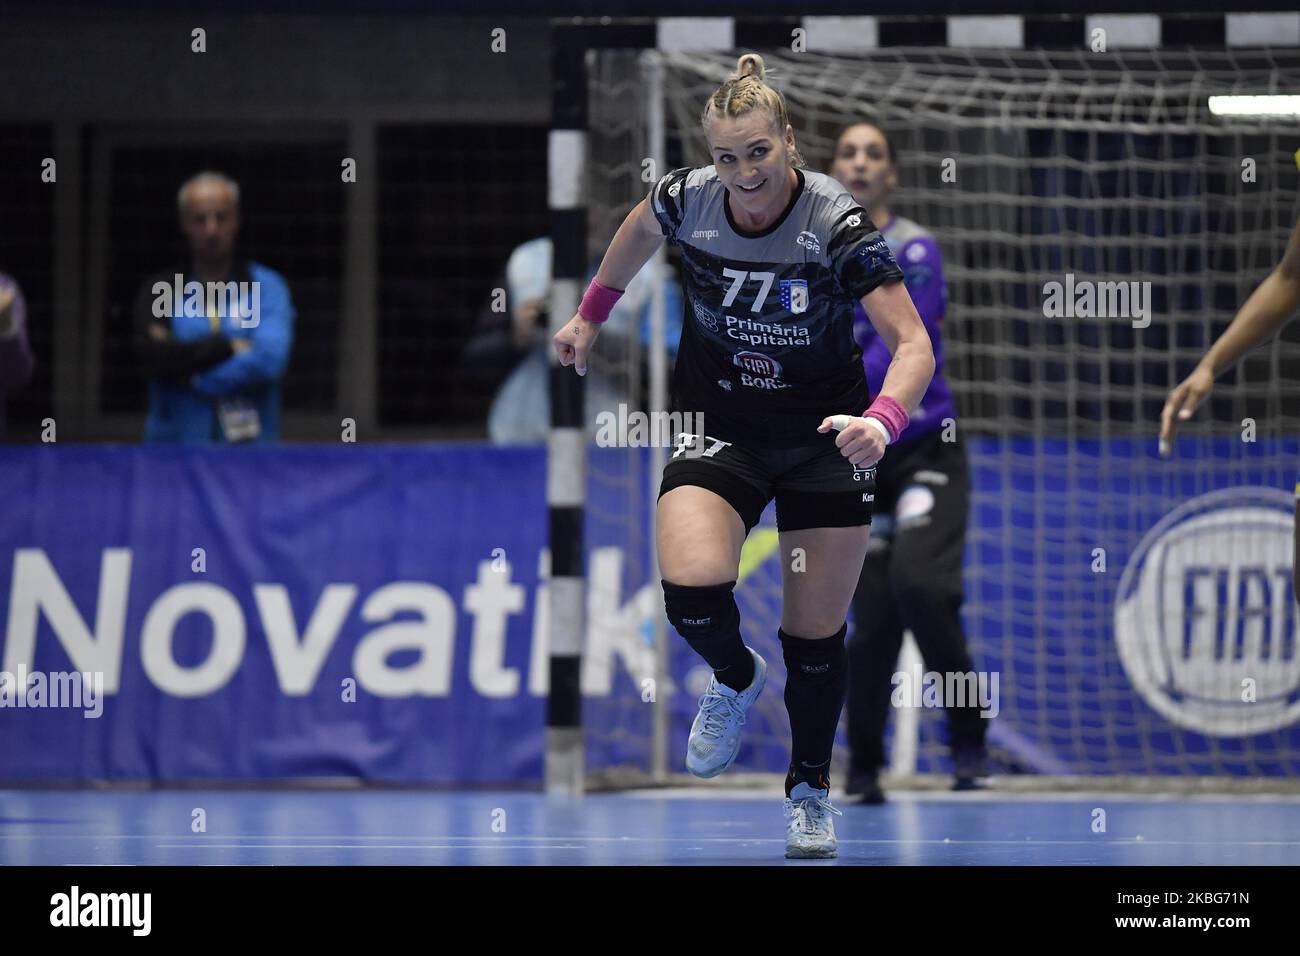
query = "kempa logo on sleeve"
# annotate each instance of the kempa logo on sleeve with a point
(237, 300)
(133, 910)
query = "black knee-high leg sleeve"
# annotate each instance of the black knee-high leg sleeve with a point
(709, 621)
(816, 681)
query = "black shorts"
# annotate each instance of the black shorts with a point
(923, 505)
(814, 486)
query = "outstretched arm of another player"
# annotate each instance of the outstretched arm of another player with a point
(862, 440)
(630, 249)
(1267, 309)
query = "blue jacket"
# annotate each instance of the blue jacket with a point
(187, 413)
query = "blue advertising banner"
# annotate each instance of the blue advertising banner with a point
(379, 613)
(275, 613)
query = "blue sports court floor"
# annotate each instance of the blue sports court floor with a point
(665, 827)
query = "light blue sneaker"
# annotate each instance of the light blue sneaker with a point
(810, 834)
(715, 734)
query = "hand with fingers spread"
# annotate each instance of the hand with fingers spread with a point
(1182, 404)
(1259, 319)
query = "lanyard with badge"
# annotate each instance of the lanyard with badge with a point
(237, 416)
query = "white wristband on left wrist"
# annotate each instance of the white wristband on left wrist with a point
(884, 432)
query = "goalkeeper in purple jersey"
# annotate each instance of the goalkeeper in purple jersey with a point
(774, 258)
(912, 576)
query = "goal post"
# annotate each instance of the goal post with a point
(1099, 229)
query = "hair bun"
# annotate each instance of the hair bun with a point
(750, 64)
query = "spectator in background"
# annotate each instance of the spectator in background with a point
(16, 360)
(520, 412)
(214, 365)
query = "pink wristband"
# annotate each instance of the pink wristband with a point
(890, 414)
(598, 301)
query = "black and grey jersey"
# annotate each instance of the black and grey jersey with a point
(767, 348)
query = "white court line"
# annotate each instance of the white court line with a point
(415, 844)
(990, 794)
(975, 796)
(351, 846)
(283, 836)
(200, 841)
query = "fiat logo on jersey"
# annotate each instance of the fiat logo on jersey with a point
(758, 363)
